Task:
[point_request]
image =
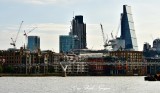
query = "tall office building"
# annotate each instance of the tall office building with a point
(127, 29)
(33, 43)
(79, 30)
(77, 36)
(67, 43)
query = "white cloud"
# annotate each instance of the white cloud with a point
(49, 35)
(48, 32)
(52, 27)
(46, 2)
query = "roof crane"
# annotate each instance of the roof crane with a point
(105, 41)
(119, 25)
(112, 35)
(14, 41)
(26, 34)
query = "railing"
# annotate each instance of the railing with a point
(93, 63)
(114, 63)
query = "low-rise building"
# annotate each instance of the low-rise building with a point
(24, 61)
(153, 66)
(134, 61)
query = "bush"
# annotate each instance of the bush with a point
(9, 69)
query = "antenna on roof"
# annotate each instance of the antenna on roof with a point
(73, 14)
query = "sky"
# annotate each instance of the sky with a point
(52, 18)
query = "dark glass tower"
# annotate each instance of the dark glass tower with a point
(33, 43)
(67, 43)
(79, 30)
(127, 29)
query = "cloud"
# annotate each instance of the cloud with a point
(43, 1)
(46, 2)
(48, 32)
(50, 27)
(49, 35)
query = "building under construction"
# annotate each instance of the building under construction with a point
(127, 39)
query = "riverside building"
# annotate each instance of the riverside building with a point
(132, 60)
(25, 62)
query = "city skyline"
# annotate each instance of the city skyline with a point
(53, 19)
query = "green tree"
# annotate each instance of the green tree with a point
(9, 69)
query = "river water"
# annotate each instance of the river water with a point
(111, 84)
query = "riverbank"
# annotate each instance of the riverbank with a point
(30, 75)
(56, 75)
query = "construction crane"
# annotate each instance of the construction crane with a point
(119, 26)
(117, 30)
(112, 35)
(26, 34)
(14, 41)
(105, 41)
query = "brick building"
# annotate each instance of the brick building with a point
(133, 60)
(24, 61)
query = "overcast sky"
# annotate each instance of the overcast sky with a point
(52, 17)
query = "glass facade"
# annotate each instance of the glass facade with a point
(79, 29)
(127, 29)
(76, 38)
(67, 43)
(33, 43)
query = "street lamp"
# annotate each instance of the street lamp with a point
(45, 62)
(27, 56)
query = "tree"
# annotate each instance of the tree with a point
(9, 69)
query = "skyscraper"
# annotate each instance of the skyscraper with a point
(127, 29)
(67, 43)
(33, 43)
(77, 36)
(79, 30)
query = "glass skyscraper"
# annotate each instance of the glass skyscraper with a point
(127, 29)
(79, 29)
(33, 43)
(76, 38)
(67, 43)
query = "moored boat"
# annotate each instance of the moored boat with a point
(152, 77)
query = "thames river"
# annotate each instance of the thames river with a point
(105, 84)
